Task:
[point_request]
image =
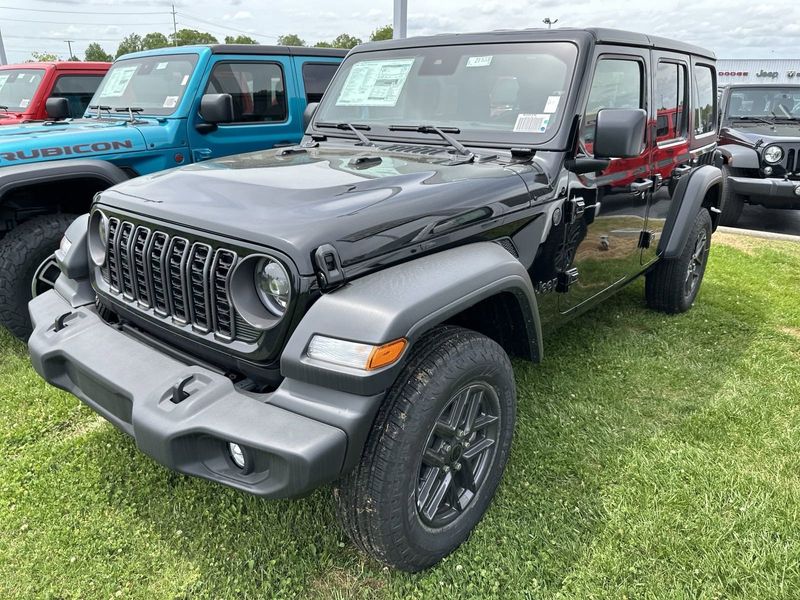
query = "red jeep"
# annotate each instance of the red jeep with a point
(25, 89)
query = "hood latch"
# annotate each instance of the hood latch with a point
(329, 266)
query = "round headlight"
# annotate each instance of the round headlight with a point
(773, 154)
(98, 238)
(273, 285)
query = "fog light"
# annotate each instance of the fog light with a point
(237, 455)
(767, 170)
(797, 191)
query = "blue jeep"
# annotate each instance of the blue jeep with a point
(154, 110)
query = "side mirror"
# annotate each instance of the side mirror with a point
(619, 132)
(308, 114)
(217, 108)
(57, 108)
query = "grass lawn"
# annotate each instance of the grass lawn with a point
(655, 457)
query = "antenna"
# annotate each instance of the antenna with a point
(174, 27)
(69, 45)
(400, 21)
(549, 22)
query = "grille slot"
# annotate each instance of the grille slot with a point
(188, 282)
(415, 149)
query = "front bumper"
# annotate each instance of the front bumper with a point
(132, 384)
(772, 193)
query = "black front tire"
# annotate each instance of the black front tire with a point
(732, 204)
(426, 477)
(22, 251)
(673, 284)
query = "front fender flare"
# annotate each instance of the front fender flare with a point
(16, 176)
(407, 300)
(739, 157)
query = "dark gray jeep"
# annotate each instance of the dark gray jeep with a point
(759, 143)
(343, 311)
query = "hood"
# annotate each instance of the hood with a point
(749, 134)
(365, 202)
(13, 118)
(83, 138)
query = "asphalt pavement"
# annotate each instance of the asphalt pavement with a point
(770, 220)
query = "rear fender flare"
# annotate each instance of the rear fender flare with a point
(19, 176)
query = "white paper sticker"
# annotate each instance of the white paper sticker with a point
(532, 123)
(171, 102)
(117, 82)
(3, 79)
(552, 104)
(375, 83)
(24, 102)
(161, 65)
(479, 61)
(184, 80)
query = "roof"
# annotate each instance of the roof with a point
(247, 49)
(755, 84)
(73, 65)
(592, 34)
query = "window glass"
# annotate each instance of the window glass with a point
(670, 101)
(256, 88)
(705, 98)
(18, 87)
(78, 90)
(617, 83)
(316, 77)
(763, 102)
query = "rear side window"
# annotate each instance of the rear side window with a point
(78, 90)
(705, 99)
(316, 77)
(617, 83)
(670, 100)
(257, 89)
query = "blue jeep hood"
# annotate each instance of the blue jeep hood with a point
(83, 138)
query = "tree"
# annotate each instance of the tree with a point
(323, 45)
(43, 57)
(95, 52)
(131, 43)
(190, 37)
(74, 58)
(382, 33)
(239, 39)
(155, 40)
(345, 40)
(291, 39)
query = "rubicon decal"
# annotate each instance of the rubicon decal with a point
(55, 151)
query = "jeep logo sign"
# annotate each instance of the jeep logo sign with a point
(66, 150)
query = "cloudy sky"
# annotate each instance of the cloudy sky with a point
(733, 28)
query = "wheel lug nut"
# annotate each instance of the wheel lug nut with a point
(446, 468)
(457, 466)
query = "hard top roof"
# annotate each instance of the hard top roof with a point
(61, 66)
(246, 49)
(592, 34)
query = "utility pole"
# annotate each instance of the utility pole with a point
(549, 22)
(400, 21)
(174, 27)
(69, 45)
(3, 60)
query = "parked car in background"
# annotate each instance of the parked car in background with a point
(154, 110)
(26, 88)
(344, 310)
(760, 147)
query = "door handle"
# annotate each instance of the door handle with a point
(637, 187)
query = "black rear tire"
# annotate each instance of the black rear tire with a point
(22, 251)
(732, 204)
(427, 476)
(673, 284)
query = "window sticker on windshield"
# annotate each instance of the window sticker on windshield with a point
(3, 79)
(117, 82)
(552, 104)
(24, 102)
(532, 123)
(375, 83)
(184, 80)
(479, 61)
(170, 102)
(162, 65)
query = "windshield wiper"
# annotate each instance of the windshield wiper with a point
(131, 110)
(442, 132)
(751, 118)
(99, 108)
(354, 127)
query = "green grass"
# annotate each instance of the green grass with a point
(655, 457)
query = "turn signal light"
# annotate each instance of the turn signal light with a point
(386, 354)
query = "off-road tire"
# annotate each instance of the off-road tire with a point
(732, 204)
(22, 250)
(666, 287)
(377, 502)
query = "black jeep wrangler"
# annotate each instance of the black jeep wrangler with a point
(344, 310)
(760, 144)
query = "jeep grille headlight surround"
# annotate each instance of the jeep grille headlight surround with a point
(773, 155)
(98, 238)
(261, 290)
(272, 285)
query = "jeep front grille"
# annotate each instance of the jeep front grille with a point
(185, 281)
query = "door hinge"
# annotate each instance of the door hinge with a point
(574, 208)
(329, 266)
(645, 239)
(566, 279)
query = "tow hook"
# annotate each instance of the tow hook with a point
(179, 394)
(59, 323)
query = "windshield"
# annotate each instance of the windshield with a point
(756, 102)
(18, 87)
(155, 84)
(496, 93)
